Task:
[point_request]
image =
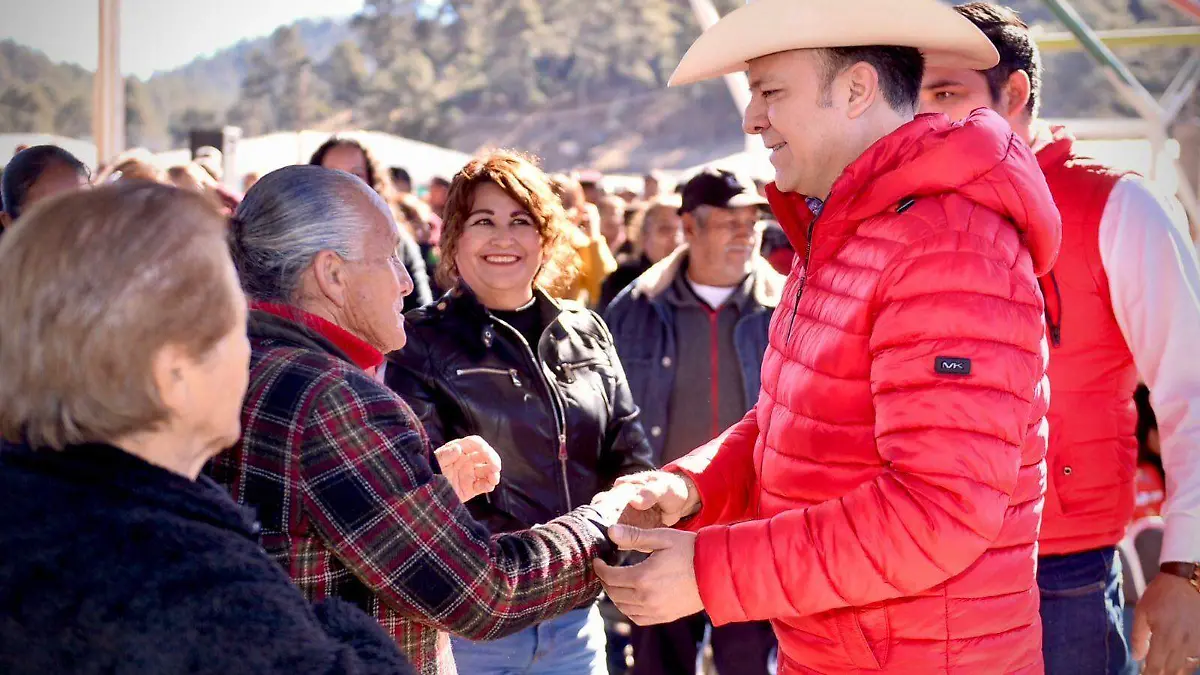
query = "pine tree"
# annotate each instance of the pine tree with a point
(142, 124)
(74, 118)
(25, 108)
(346, 74)
(253, 111)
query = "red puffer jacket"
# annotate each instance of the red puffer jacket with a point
(881, 503)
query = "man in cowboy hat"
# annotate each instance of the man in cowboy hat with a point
(880, 504)
(1122, 303)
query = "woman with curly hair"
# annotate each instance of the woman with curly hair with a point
(352, 156)
(538, 378)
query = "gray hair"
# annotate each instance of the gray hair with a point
(287, 218)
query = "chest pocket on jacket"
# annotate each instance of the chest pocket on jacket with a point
(569, 373)
(592, 375)
(486, 397)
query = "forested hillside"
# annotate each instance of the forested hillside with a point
(579, 83)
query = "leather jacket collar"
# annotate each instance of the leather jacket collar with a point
(461, 300)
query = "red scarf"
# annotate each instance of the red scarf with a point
(360, 352)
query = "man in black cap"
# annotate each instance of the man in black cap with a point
(691, 332)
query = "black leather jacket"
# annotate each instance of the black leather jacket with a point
(564, 423)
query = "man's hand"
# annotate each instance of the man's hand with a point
(1166, 627)
(659, 499)
(471, 466)
(660, 589)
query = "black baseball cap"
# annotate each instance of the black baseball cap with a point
(719, 188)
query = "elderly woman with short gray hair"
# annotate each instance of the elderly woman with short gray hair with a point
(339, 468)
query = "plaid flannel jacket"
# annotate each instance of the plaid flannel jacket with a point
(338, 469)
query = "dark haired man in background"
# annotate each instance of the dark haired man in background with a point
(1121, 301)
(401, 179)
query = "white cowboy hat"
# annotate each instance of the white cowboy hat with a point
(763, 27)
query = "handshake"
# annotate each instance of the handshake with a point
(662, 588)
(651, 499)
(647, 500)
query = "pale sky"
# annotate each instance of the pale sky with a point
(155, 34)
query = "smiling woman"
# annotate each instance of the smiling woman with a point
(537, 378)
(500, 249)
(502, 204)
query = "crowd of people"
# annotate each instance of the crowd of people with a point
(522, 424)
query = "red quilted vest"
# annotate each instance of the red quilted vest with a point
(1092, 456)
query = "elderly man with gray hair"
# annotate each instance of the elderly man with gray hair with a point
(339, 469)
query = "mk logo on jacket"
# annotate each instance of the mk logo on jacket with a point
(948, 365)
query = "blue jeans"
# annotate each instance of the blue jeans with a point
(572, 644)
(1082, 631)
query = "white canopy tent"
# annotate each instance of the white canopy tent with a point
(263, 154)
(84, 150)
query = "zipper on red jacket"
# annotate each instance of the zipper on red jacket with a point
(803, 279)
(1054, 310)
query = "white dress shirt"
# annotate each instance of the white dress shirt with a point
(1154, 281)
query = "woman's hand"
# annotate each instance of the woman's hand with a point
(471, 466)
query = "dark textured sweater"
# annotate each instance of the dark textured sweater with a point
(109, 564)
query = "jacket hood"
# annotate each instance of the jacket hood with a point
(1052, 144)
(980, 158)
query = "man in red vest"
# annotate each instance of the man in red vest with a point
(1121, 300)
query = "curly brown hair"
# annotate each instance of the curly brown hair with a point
(415, 215)
(520, 177)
